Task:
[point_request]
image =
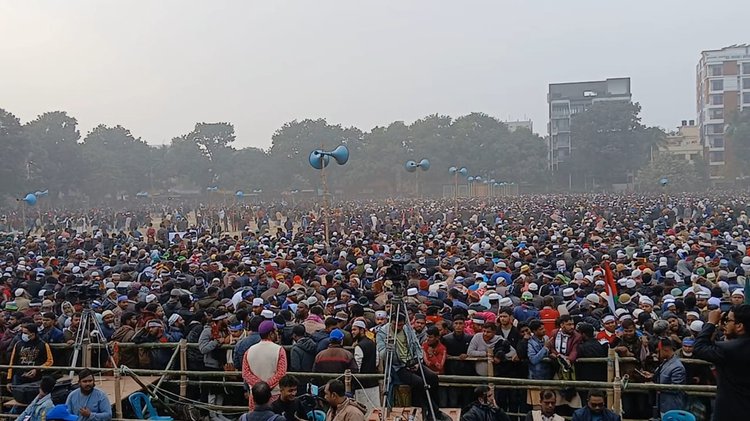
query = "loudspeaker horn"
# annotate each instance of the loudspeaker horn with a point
(340, 154)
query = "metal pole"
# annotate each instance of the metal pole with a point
(183, 367)
(455, 194)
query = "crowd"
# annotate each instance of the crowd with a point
(538, 282)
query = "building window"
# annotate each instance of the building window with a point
(716, 142)
(717, 100)
(716, 113)
(746, 83)
(746, 68)
(715, 70)
(717, 85)
(746, 98)
(716, 156)
(714, 129)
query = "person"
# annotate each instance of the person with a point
(539, 368)
(434, 350)
(407, 360)
(125, 333)
(42, 403)
(483, 408)
(595, 409)
(29, 351)
(90, 403)
(287, 404)
(342, 408)
(303, 353)
(265, 361)
(365, 355)
(546, 411)
(335, 359)
(731, 359)
(261, 395)
(215, 335)
(671, 371)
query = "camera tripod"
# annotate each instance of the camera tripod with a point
(88, 328)
(398, 311)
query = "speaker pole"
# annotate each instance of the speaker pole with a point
(324, 182)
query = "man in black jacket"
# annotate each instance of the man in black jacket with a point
(456, 345)
(483, 408)
(731, 359)
(365, 355)
(589, 347)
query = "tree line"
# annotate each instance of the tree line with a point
(610, 144)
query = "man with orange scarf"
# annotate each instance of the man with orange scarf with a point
(265, 361)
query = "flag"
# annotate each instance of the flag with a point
(610, 285)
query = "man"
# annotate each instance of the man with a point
(365, 355)
(539, 368)
(731, 359)
(608, 334)
(287, 404)
(335, 359)
(341, 407)
(457, 345)
(303, 352)
(547, 402)
(261, 395)
(125, 333)
(265, 361)
(244, 344)
(483, 408)
(671, 371)
(50, 333)
(434, 351)
(42, 403)
(90, 403)
(595, 409)
(215, 335)
(30, 350)
(407, 356)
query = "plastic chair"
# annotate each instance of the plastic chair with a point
(138, 400)
(677, 415)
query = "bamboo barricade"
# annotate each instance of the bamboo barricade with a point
(613, 385)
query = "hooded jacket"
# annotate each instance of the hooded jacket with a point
(303, 355)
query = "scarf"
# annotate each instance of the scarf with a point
(561, 342)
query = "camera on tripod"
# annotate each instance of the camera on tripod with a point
(396, 273)
(84, 292)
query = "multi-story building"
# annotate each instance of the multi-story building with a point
(723, 87)
(517, 124)
(685, 143)
(566, 99)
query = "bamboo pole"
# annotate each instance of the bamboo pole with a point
(611, 375)
(491, 369)
(348, 381)
(118, 395)
(617, 404)
(86, 353)
(183, 367)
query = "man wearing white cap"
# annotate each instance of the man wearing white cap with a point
(22, 301)
(365, 356)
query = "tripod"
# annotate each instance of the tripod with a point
(398, 314)
(87, 328)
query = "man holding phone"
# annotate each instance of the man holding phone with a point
(731, 359)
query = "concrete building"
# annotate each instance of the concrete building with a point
(515, 125)
(566, 99)
(685, 143)
(722, 88)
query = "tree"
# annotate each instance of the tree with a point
(609, 141)
(56, 154)
(682, 175)
(118, 163)
(14, 150)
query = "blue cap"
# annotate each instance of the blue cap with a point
(247, 293)
(122, 298)
(336, 335)
(688, 342)
(60, 412)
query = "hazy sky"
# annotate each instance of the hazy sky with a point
(158, 67)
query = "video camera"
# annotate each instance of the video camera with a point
(396, 273)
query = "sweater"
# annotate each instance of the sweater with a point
(264, 361)
(97, 402)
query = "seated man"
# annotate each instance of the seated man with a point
(341, 407)
(483, 408)
(87, 401)
(262, 411)
(595, 409)
(548, 400)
